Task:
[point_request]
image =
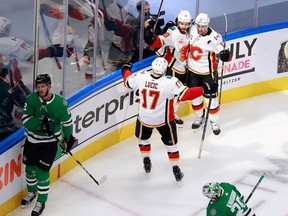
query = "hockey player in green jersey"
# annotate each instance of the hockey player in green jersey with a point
(45, 117)
(225, 200)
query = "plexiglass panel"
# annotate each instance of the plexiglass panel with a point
(239, 14)
(16, 69)
(274, 12)
(69, 50)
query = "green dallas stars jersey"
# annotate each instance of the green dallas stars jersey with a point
(57, 109)
(231, 203)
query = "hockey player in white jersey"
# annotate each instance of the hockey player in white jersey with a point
(156, 109)
(174, 45)
(205, 44)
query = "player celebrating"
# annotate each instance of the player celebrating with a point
(174, 47)
(156, 110)
(205, 43)
(225, 199)
(45, 117)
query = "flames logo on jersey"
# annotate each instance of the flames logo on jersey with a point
(184, 53)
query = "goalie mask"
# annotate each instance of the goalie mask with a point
(202, 19)
(212, 190)
(159, 66)
(5, 27)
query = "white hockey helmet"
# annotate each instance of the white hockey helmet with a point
(5, 26)
(159, 66)
(212, 190)
(184, 16)
(202, 19)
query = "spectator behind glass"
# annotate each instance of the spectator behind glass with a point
(146, 50)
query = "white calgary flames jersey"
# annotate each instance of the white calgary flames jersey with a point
(175, 49)
(156, 97)
(203, 50)
(15, 47)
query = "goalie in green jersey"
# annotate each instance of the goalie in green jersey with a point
(47, 120)
(225, 200)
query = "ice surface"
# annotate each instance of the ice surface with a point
(253, 140)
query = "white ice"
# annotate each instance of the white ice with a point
(253, 141)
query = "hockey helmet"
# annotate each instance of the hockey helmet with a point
(159, 66)
(43, 78)
(5, 26)
(202, 19)
(184, 16)
(212, 190)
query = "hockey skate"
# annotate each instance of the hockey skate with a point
(178, 174)
(30, 196)
(215, 127)
(178, 121)
(198, 122)
(147, 164)
(38, 209)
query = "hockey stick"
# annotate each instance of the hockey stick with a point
(74, 53)
(158, 14)
(222, 70)
(99, 182)
(210, 98)
(205, 126)
(49, 39)
(255, 187)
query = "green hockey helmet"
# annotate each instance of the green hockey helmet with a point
(212, 190)
(43, 78)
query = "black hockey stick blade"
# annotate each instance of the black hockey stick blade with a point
(255, 187)
(99, 182)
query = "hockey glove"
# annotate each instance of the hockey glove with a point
(127, 66)
(210, 88)
(47, 125)
(168, 25)
(67, 145)
(225, 55)
(149, 36)
(55, 50)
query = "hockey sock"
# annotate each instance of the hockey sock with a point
(43, 184)
(173, 154)
(145, 148)
(31, 180)
(198, 106)
(214, 110)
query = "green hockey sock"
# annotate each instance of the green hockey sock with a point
(43, 184)
(31, 180)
